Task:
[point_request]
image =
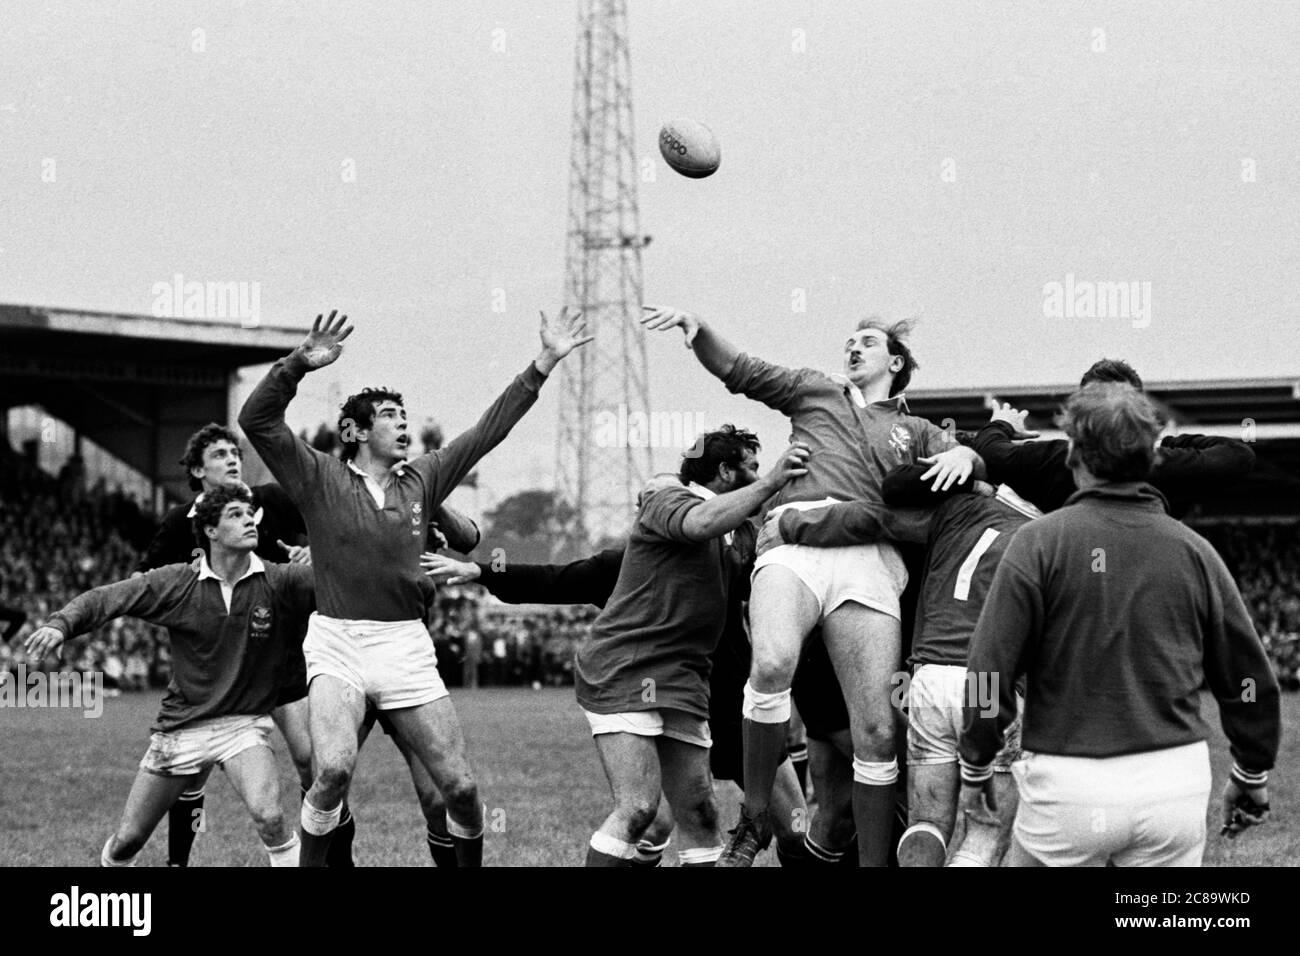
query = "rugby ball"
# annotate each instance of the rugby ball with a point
(690, 148)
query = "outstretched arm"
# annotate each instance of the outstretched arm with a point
(149, 596)
(586, 581)
(293, 462)
(714, 352)
(443, 469)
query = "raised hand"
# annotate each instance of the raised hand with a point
(661, 318)
(564, 333)
(1015, 417)
(42, 641)
(324, 343)
(949, 468)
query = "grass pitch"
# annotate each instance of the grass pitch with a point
(64, 780)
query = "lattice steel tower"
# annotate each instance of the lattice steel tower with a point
(605, 382)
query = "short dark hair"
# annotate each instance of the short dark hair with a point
(896, 334)
(209, 434)
(727, 445)
(1114, 428)
(1111, 370)
(359, 412)
(208, 509)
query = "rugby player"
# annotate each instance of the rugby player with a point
(366, 516)
(234, 622)
(1118, 614)
(591, 580)
(641, 679)
(856, 427)
(213, 460)
(968, 535)
(1188, 466)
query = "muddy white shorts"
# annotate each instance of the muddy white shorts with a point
(203, 744)
(676, 724)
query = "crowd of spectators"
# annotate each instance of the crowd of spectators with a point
(59, 538)
(1265, 560)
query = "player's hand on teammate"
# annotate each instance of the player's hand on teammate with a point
(1243, 808)
(1015, 417)
(42, 642)
(978, 803)
(769, 536)
(792, 464)
(324, 343)
(298, 554)
(564, 333)
(661, 318)
(949, 468)
(444, 570)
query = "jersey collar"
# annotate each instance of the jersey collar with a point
(255, 566)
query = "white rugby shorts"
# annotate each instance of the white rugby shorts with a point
(390, 662)
(935, 697)
(873, 575)
(1143, 809)
(664, 722)
(205, 743)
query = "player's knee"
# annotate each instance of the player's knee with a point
(334, 776)
(461, 798)
(772, 669)
(874, 740)
(638, 813)
(701, 812)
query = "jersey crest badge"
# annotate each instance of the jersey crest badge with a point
(900, 439)
(259, 622)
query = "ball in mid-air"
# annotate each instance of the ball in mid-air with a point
(690, 148)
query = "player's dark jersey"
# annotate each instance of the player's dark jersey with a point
(276, 517)
(224, 661)
(968, 536)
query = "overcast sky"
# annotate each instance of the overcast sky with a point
(940, 160)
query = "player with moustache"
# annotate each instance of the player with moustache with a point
(970, 526)
(857, 428)
(366, 515)
(235, 624)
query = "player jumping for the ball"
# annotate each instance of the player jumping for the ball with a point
(366, 517)
(857, 429)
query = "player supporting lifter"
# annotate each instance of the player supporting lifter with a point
(642, 678)
(366, 517)
(856, 428)
(233, 624)
(968, 533)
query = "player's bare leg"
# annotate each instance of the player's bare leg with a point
(256, 778)
(688, 788)
(631, 764)
(782, 612)
(865, 648)
(294, 723)
(984, 844)
(433, 733)
(789, 815)
(441, 846)
(152, 795)
(932, 791)
(832, 831)
(650, 848)
(336, 711)
(185, 820)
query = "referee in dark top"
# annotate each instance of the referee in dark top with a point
(1118, 614)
